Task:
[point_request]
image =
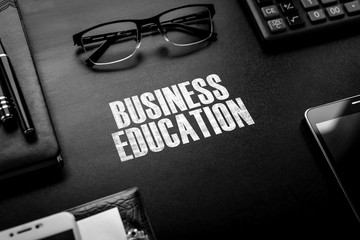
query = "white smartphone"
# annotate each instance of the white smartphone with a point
(60, 226)
(336, 128)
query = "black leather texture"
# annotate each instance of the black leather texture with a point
(17, 153)
(130, 206)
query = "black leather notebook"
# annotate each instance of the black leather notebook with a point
(19, 154)
(131, 209)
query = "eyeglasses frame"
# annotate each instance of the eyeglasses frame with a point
(140, 23)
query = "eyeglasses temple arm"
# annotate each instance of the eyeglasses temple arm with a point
(189, 18)
(191, 30)
(99, 52)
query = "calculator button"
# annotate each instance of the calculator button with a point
(295, 21)
(264, 2)
(328, 2)
(317, 16)
(287, 7)
(352, 7)
(335, 11)
(308, 4)
(277, 25)
(270, 12)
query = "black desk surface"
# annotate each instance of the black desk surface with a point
(266, 178)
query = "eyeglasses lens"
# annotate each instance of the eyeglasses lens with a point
(187, 26)
(110, 43)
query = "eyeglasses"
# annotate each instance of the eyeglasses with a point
(116, 41)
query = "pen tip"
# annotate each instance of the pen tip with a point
(7, 119)
(29, 131)
(9, 123)
(6, 115)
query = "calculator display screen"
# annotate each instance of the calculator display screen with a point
(342, 138)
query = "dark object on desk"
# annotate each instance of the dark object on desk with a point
(336, 128)
(182, 26)
(9, 77)
(6, 114)
(131, 209)
(288, 23)
(19, 154)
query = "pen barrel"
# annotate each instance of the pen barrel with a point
(17, 96)
(6, 114)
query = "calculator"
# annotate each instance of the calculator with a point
(289, 22)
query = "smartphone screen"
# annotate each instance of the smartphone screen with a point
(342, 138)
(341, 135)
(67, 235)
(336, 127)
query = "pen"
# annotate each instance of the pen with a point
(6, 114)
(10, 80)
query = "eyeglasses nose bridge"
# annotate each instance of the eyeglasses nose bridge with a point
(161, 30)
(156, 22)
